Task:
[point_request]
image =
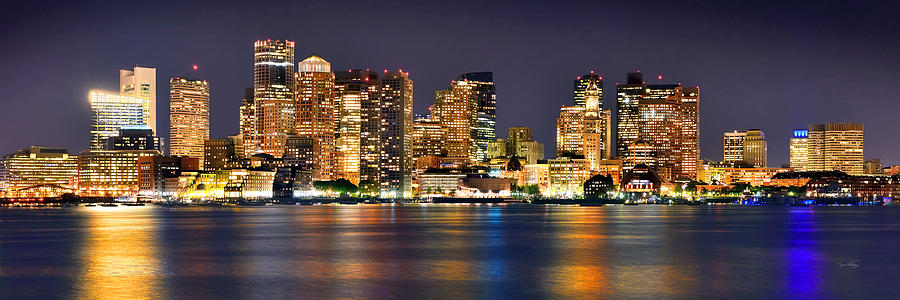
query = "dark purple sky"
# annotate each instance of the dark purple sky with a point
(759, 65)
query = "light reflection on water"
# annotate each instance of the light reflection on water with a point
(447, 252)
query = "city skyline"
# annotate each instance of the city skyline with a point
(521, 101)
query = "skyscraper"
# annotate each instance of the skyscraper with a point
(667, 117)
(109, 112)
(627, 121)
(733, 146)
(484, 93)
(273, 84)
(745, 146)
(521, 143)
(584, 129)
(835, 147)
(141, 83)
(249, 132)
(347, 139)
(455, 109)
(315, 112)
(581, 85)
(396, 135)
(799, 150)
(428, 142)
(360, 87)
(188, 116)
(135, 138)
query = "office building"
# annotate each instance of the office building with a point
(347, 138)
(223, 154)
(188, 116)
(585, 82)
(567, 176)
(362, 112)
(273, 84)
(37, 171)
(799, 151)
(485, 98)
(745, 146)
(134, 138)
(109, 112)
(158, 175)
(666, 116)
(835, 147)
(455, 108)
(249, 133)
(140, 82)
(396, 135)
(109, 173)
(428, 143)
(315, 112)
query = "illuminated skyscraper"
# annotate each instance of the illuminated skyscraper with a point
(135, 138)
(455, 108)
(188, 116)
(249, 133)
(745, 146)
(141, 83)
(315, 113)
(396, 135)
(428, 142)
(666, 116)
(836, 147)
(733, 146)
(521, 143)
(347, 139)
(569, 131)
(627, 119)
(365, 108)
(583, 82)
(584, 129)
(273, 84)
(109, 112)
(484, 93)
(799, 150)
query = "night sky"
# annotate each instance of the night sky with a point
(775, 66)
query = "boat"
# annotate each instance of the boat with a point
(90, 205)
(109, 205)
(133, 204)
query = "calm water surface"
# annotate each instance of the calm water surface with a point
(434, 251)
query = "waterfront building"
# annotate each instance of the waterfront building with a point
(109, 173)
(754, 176)
(892, 170)
(226, 185)
(442, 182)
(222, 154)
(567, 176)
(799, 150)
(537, 174)
(485, 113)
(359, 121)
(455, 109)
(157, 175)
(315, 113)
(840, 184)
(249, 133)
(37, 171)
(109, 112)
(641, 182)
(614, 168)
(873, 167)
(598, 187)
(484, 186)
(273, 85)
(666, 116)
(396, 160)
(140, 82)
(835, 147)
(134, 138)
(188, 116)
(297, 166)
